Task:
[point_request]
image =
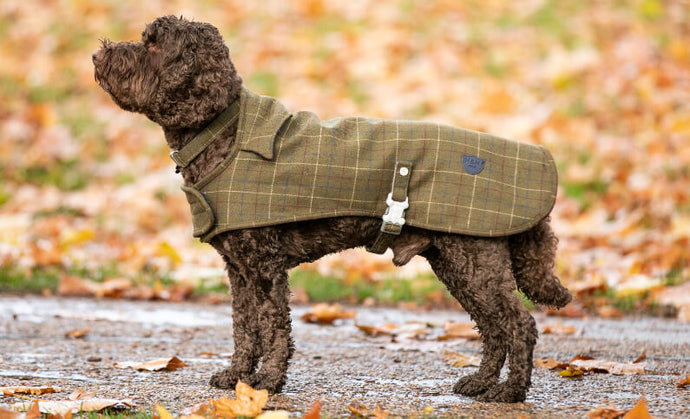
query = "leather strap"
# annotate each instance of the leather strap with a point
(397, 201)
(198, 144)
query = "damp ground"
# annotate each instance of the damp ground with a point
(338, 365)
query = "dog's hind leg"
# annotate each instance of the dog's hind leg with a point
(245, 332)
(533, 255)
(477, 273)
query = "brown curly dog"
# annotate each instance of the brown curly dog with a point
(180, 76)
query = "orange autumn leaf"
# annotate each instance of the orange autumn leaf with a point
(684, 382)
(639, 411)
(315, 411)
(169, 364)
(550, 364)
(326, 314)
(459, 330)
(558, 329)
(456, 359)
(77, 333)
(601, 412)
(249, 403)
(11, 391)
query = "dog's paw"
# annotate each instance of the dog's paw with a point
(261, 381)
(504, 393)
(225, 379)
(472, 385)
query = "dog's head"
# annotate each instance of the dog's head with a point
(179, 74)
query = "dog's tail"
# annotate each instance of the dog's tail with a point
(533, 254)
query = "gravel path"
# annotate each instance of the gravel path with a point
(338, 365)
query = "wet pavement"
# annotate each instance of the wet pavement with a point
(338, 365)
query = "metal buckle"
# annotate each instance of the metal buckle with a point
(174, 156)
(395, 214)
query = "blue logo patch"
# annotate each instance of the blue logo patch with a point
(472, 164)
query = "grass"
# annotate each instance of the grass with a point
(423, 289)
(14, 280)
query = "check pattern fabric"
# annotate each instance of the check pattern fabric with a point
(290, 167)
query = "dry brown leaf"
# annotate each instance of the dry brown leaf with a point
(641, 358)
(609, 312)
(249, 402)
(168, 364)
(34, 411)
(605, 413)
(550, 364)
(362, 410)
(639, 411)
(611, 367)
(459, 330)
(11, 391)
(684, 382)
(326, 314)
(80, 394)
(10, 414)
(315, 411)
(384, 329)
(459, 360)
(64, 407)
(558, 328)
(78, 333)
(573, 311)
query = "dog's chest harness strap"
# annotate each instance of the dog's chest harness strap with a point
(398, 202)
(198, 144)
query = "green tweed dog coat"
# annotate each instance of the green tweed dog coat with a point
(287, 167)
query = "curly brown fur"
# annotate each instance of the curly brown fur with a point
(180, 75)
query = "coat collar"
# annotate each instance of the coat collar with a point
(260, 118)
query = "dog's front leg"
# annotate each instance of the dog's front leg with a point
(245, 325)
(275, 331)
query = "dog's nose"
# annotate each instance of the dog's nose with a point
(95, 56)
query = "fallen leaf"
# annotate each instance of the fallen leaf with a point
(684, 382)
(639, 411)
(163, 412)
(10, 414)
(609, 312)
(611, 367)
(605, 413)
(550, 364)
(641, 358)
(11, 391)
(558, 329)
(362, 410)
(410, 330)
(168, 364)
(315, 411)
(249, 402)
(274, 414)
(64, 407)
(34, 411)
(326, 314)
(459, 360)
(80, 394)
(384, 329)
(571, 371)
(454, 330)
(78, 333)
(573, 311)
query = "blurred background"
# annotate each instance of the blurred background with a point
(90, 203)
